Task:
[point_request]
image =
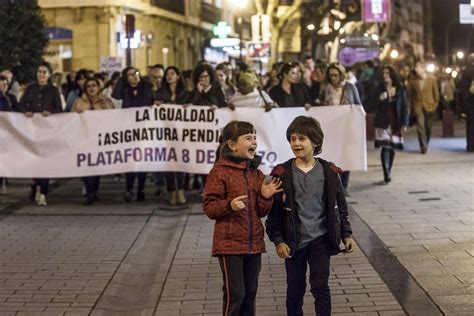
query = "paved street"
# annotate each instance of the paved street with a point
(415, 254)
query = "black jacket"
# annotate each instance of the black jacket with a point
(381, 118)
(38, 98)
(8, 102)
(283, 224)
(144, 95)
(299, 95)
(164, 95)
(215, 96)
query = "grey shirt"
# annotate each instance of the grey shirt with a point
(309, 189)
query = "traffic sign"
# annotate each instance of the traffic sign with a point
(466, 14)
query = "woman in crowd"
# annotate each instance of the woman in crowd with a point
(133, 92)
(173, 91)
(41, 97)
(91, 99)
(224, 82)
(391, 118)
(207, 90)
(81, 77)
(109, 88)
(338, 91)
(289, 92)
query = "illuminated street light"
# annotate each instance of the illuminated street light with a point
(375, 37)
(460, 55)
(454, 74)
(311, 27)
(341, 31)
(394, 54)
(337, 25)
(448, 70)
(366, 34)
(431, 68)
(342, 40)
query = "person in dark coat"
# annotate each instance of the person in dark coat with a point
(173, 91)
(8, 100)
(133, 92)
(391, 118)
(290, 92)
(467, 95)
(207, 90)
(41, 97)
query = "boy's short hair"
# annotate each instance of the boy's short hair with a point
(309, 127)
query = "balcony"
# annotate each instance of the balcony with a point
(210, 13)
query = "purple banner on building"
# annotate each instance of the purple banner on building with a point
(375, 10)
(349, 56)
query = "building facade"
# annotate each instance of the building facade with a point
(86, 33)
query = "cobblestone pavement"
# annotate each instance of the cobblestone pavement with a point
(147, 259)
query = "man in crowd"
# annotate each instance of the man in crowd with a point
(424, 96)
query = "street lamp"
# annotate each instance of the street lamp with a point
(448, 70)
(310, 27)
(394, 54)
(460, 55)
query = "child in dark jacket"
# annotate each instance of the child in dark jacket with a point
(309, 218)
(236, 197)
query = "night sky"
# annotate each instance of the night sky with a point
(445, 11)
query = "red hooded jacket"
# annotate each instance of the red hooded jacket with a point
(236, 232)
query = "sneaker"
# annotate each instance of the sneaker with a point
(38, 193)
(42, 200)
(140, 196)
(172, 197)
(181, 197)
(128, 197)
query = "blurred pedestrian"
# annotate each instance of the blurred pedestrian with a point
(391, 118)
(338, 91)
(109, 88)
(41, 97)
(467, 95)
(134, 92)
(79, 80)
(13, 84)
(173, 91)
(90, 100)
(249, 94)
(424, 96)
(224, 81)
(8, 100)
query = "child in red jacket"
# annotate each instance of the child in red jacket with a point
(236, 197)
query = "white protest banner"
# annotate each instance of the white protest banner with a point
(164, 138)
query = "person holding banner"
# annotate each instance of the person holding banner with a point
(338, 91)
(236, 197)
(41, 97)
(391, 118)
(309, 219)
(91, 99)
(173, 91)
(133, 92)
(290, 92)
(207, 89)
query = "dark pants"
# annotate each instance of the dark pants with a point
(130, 180)
(470, 128)
(43, 184)
(92, 184)
(424, 123)
(240, 274)
(316, 256)
(174, 181)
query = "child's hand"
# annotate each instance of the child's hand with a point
(238, 204)
(270, 188)
(350, 244)
(283, 251)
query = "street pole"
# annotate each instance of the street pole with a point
(239, 22)
(446, 41)
(128, 54)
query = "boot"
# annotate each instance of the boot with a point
(385, 157)
(181, 197)
(172, 197)
(392, 157)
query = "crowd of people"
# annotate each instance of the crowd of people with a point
(397, 97)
